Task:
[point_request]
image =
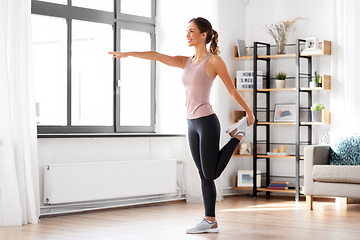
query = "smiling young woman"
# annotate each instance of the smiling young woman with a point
(199, 73)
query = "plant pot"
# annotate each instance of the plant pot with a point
(316, 116)
(280, 83)
(314, 85)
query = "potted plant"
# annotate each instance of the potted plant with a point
(280, 80)
(316, 112)
(316, 82)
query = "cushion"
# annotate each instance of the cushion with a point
(345, 151)
(337, 174)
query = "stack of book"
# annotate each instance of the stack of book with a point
(278, 185)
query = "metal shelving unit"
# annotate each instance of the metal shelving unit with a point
(267, 58)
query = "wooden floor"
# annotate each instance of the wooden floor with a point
(238, 218)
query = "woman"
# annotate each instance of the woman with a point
(199, 73)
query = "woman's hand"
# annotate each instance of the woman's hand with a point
(250, 118)
(119, 55)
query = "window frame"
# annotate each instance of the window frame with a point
(118, 21)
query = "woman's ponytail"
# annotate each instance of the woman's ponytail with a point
(214, 48)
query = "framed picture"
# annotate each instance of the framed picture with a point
(245, 148)
(245, 178)
(312, 43)
(285, 112)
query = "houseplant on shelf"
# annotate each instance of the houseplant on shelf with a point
(316, 112)
(280, 80)
(316, 82)
(280, 32)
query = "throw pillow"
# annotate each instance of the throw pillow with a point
(345, 151)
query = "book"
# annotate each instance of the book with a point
(279, 188)
(277, 185)
(241, 48)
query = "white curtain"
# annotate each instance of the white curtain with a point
(345, 52)
(19, 183)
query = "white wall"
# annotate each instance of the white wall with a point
(230, 24)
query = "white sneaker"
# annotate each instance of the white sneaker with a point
(240, 128)
(205, 226)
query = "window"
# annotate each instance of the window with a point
(105, 5)
(79, 88)
(91, 74)
(55, 1)
(50, 59)
(133, 109)
(136, 7)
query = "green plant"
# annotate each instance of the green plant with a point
(280, 76)
(317, 78)
(317, 107)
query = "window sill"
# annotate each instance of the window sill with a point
(108, 135)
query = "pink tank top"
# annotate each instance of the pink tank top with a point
(197, 88)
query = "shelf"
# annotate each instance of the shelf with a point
(234, 186)
(326, 121)
(302, 81)
(245, 90)
(291, 156)
(276, 89)
(325, 51)
(242, 155)
(277, 56)
(326, 85)
(237, 116)
(275, 123)
(266, 156)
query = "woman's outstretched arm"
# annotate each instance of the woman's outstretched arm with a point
(173, 61)
(221, 70)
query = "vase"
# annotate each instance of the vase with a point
(316, 116)
(280, 83)
(280, 47)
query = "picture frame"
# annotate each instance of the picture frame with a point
(285, 112)
(241, 48)
(245, 148)
(245, 178)
(312, 43)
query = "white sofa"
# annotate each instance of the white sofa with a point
(322, 179)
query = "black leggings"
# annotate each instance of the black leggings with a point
(204, 138)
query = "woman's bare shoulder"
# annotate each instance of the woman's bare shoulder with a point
(216, 60)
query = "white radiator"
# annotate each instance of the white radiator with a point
(67, 183)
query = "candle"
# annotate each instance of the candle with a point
(282, 148)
